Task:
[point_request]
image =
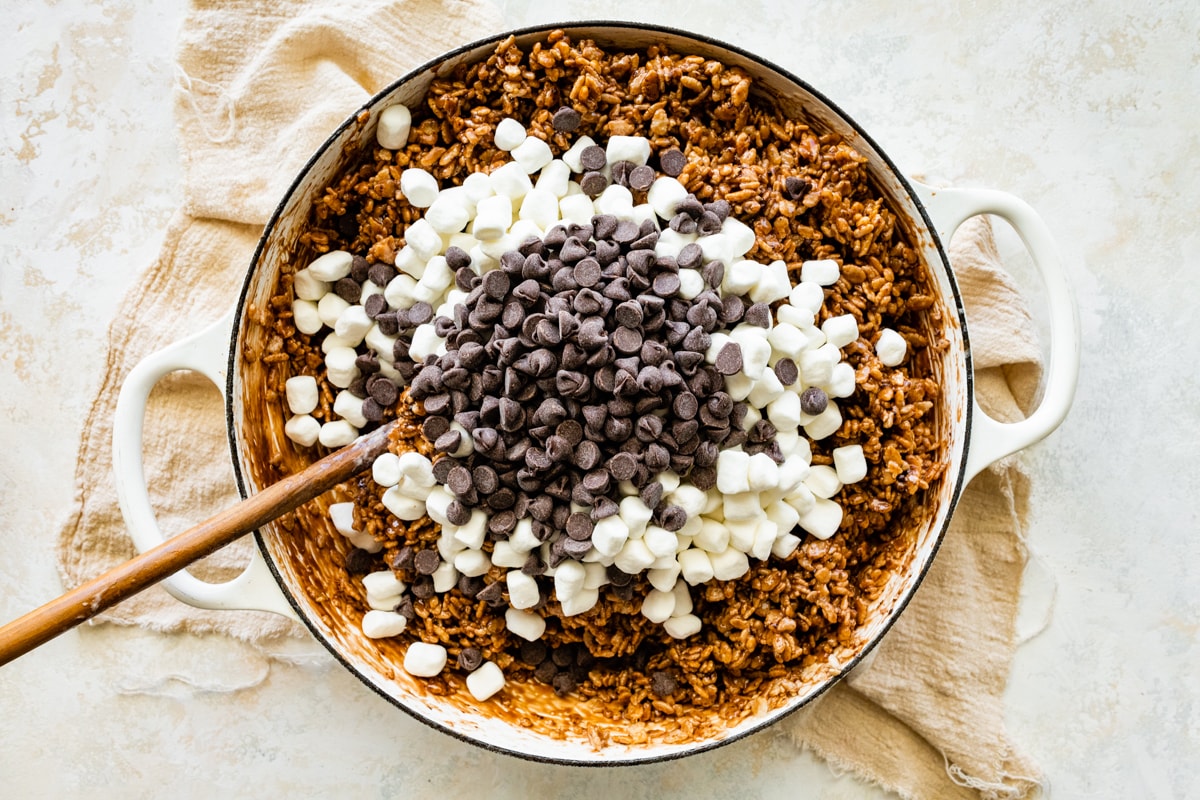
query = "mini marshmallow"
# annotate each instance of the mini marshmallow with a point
(712, 503)
(585, 600)
(329, 308)
(377, 624)
(504, 555)
(756, 350)
(730, 564)
(407, 488)
(418, 467)
(823, 519)
(509, 134)
(716, 342)
(595, 575)
(765, 534)
(713, 536)
(571, 157)
(784, 412)
(395, 123)
(408, 262)
(485, 681)
(337, 433)
(633, 558)
(799, 316)
(309, 287)
(331, 267)
(419, 187)
(840, 330)
(664, 578)
(816, 366)
(477, 186)
(349, 408)
(302, 394)
(658, 605)
(437, 503)
(823, 272)
(302, 429)
(801, 499)
(785, 545)
(773, 283)
(523, 589)
(435, 280)
(423, 239)
(540, 207)
(383, 584)
(615, 200)
(688, 497)
(424, 660)
(635, 149)
(404, 508)
(450, 212)
(691, 282)
(526, 624)
(767, 389)
(664, 194)
(732, 469)
(385, 470)
(741, 276)
(609, 535)
(850, 463)
(306, 316)
(532, 154)
(568, 578)
(472, 534)
(683, 626)
(783, 515)
(342, 517)
(793, 471)
(842, 380)
(643, 212)
(741, 506)
(522, 539)
(824, 424)
(577, 208)
(340, 367)
(332, 341)
(807, 295)
(444, 578)
(670, 243)
(740, 235)
(786, 340)
(891, 347)
(425, 342)
(763, 473)
(399, 291)
(472, 563)
(635, 514)
(695, 567)
(717, 247)
(353, 324)
(510, 180)
(741, 532)
(554, 178)
(493, 217)
(739, 386)
(660, 541)
(683, 599)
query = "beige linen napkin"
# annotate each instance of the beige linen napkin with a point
(258, 88)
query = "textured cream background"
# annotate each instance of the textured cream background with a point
(1083, 110)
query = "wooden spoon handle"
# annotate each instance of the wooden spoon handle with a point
(43, 624)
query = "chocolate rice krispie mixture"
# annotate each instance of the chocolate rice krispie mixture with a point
(806, 195)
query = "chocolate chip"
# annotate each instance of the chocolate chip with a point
(690, 256)
(470, 659)
(666, 284)
(422, 588)
(426, 562)
(383, 391)
(719, 208)
(622, 466)
(375, 305)
(709, 223)
(593, 183)
(532, 653)
(566, 119)
(651, 494)
(620, 172)
(714, 274)
(640, 178)
(533, 565)
(662, 684)
(795, 188)
(492, 594)
(348, 289)
(586, 272)
(579, 526)
(813, 400)
(682, 223)
(359, 268)
(420, 313)
(593, 158)
(787, 371)
(729, 359)
(459, 479)
(672, 162)
(627, 231)
(758, 315)
(703, 477)
(627, 340)
(381, 274)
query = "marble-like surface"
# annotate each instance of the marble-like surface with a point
(1086, 109)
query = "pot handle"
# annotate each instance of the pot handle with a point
(205, 352)
(992, 440)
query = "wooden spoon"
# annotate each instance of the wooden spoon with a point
(43, 624)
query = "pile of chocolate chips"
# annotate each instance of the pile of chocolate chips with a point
(576, 366)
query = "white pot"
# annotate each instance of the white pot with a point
(285, 575)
